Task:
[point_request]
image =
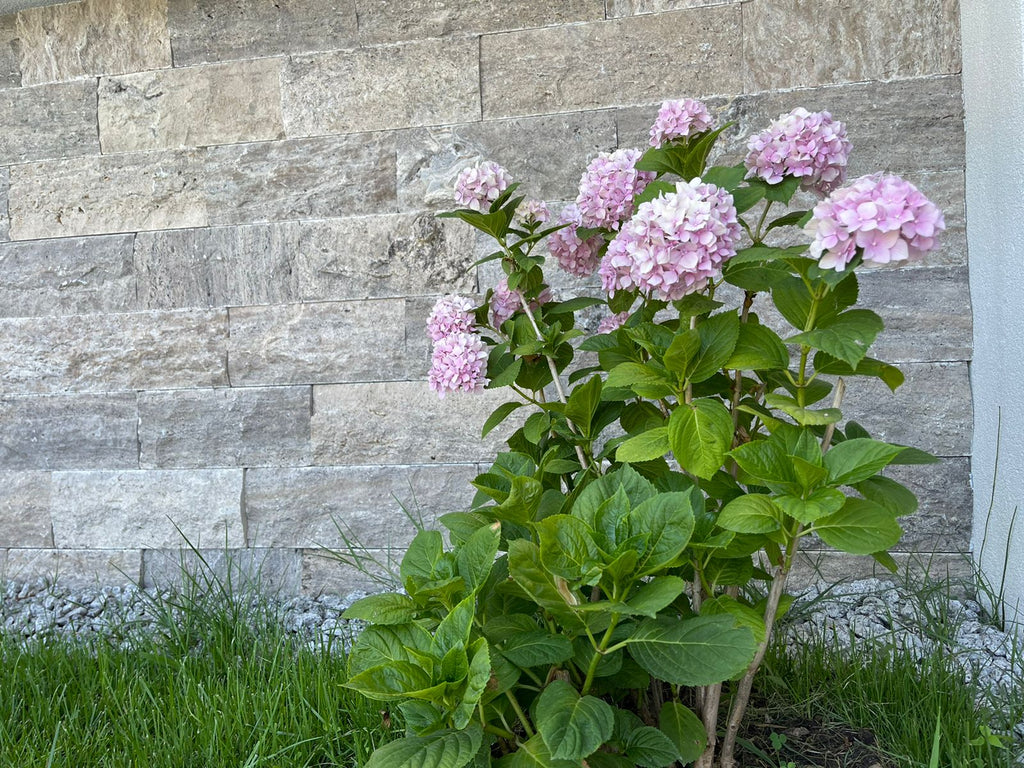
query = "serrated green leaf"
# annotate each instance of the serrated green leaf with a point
(744, 615)
(534, 753)
(698, 651)
(764, 461)
(650, 748)
(668, 521)
(656, 594)
(718, 337)
(746, 198)
(568, 549)
(475, 558)
(536, 648)
(805, 417)
(682, 351)
(444, 749)
(755, 276)
(395, 681)
(847, 336)
(890, 375)
(821, 503)
(700, 435)
(750, 513)
(852, 461)
(685, 730)
(725, 177)
(654, 190)
(386, 608)
(500, 413)
(571, 725)
(758, 348)
(582, 405)
(885, 491)
(861, 527)
(642, 379)
(652, 444)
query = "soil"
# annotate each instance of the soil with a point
(802, 743)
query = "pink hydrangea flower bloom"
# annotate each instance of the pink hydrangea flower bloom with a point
(531, 210)
(887, 217)
(451, 314)
(459, 364)
(608, 186)
(679, 119)
(505, 303)
(609, 324)
(674, 244)
(576, 256)
(809, 145)
(478, 186)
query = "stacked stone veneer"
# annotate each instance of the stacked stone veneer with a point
(218, 247)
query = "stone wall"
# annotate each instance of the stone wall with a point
(218, 247)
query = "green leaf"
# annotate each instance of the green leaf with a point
(395, 681)
(500, 413)
(765, 462)
(444, 749)
(762, 253)
(384, 609)
(462, 525)
(523, 500)
(476, 683)
(571, 725)
(650, 748)
(685, 730)
(744, 615)
(851, 461)
(821, 503)
(476, 557)
(381, 645)
(861, 527)
(751, 513)
(781, 191)
(754, 276)
(746, 198)
(654, 190)
(847, 336)
(656, 594)
(422, 557)
(794, 218)
(582, 404)
(698, 651)
(718, 337)
(682, 351)
(454, 629)
(534, 754)
(506, 375)
(568, 549)
(700, 435)
(642, 379)
(652, 444)
(885, 491)
(537, 648)
(725, 177)
(805, 417)
(758, 349)
(667, 520)
(890, 375)
(695, 304)
(541, 586)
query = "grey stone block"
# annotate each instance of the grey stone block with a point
(827, 567)
(10, 52)
(931, 411)
(324, 574)
(305, 507)
(312, 343)
(208, 30)
(399, 20)
(426, 82)
(95, 37)
(225, 427)
(404, 422)
(68, 112)
(191, 106)
(927, 313)
(69, 432)
(77, 275)
(145, 350)
(99, 195)
(87, 567)
(25, 510)
(273, 573)
(546, 154)
(151, 509)
(790, 43)
(5, 219)
(300, 179)
(617, 8)
(695, 51)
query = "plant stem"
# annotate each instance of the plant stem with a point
(520, 714)
(598, 655)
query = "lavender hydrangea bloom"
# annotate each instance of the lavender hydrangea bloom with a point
(678, 119)
(451, 314)
(809, 145)
(608, 186)
(478, 186)
(885, 216)
(674, 244)
(613, 322)
(459, 364)
(576, 256)
(505, 302)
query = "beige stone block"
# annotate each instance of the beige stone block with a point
(89, 567)
(48, 121)
(694, 52)
(209, 30)
(372, 506)
(314, 178)
(322, 573)
(67, 276)
(547, 154)
(274, 573)
(150, 509)
(312, 343)
(5, 221)
(400, 20)
(146, 350)
(98, 195)
(25, 510)
(237, 427)
(404, 422)
(191, 106)
(427, 82)
(95, 37)
(828, 567)
(617, 8)
(10, 57)
(82, 431)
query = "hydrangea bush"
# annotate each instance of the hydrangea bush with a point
(608, 598)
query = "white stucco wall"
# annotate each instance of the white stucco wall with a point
(993, 68)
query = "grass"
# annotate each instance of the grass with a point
(214, 689)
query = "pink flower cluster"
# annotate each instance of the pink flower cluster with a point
(674, 244)
(612, 322)
(608, 186)
(505, 302)
(459, 361)
(809, 145)
(679, 119)
(576, 256)
(533, 211)
(478, 186)
(887, 217)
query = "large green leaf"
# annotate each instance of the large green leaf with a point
(582, 404)
(684, 729)
(454, 629)
(765, 461)
(847, 336)
(395, 681)
(590, 500)
(534, 753)
(537, 648)
(854, 460)
(700, 435)
(477, 679)
(648, 445)
(667, 520)
(650, 748)
(571, 725)
(539, 584)
(758, 348)
(751, 513)
(380, 645)
(831, 366)
(698, 651)
(656, 594)
(422, 556)
(385, 608)
(821, 503)
(444, 749)
(718, 337)
(861, 527)
(894, 496)
(682, 351)
(568, 549)
(475, 558)
(805, 417)
(500, 413)
(644, 380)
